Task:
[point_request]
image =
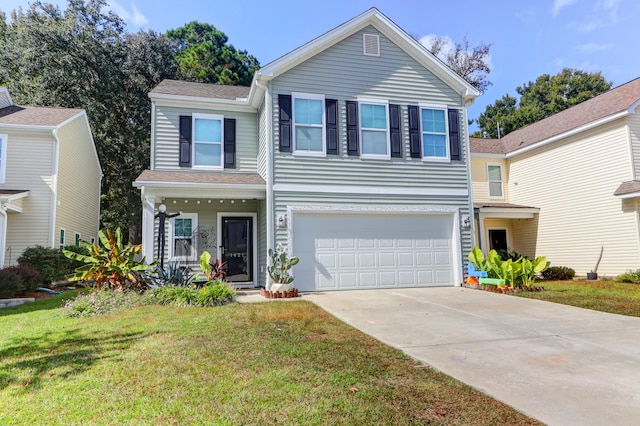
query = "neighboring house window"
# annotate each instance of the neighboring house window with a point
(77, 239)
(93, 240)
(3, 157)
(61, 239)
(374, 130)
(494, 177)
(308, 124)
(434, 133)
(183, 236)
(208, 137)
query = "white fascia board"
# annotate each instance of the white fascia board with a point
(569, 133)
(158, 193)
(488, 155)
(12, 207)
(14, 197)
(629, 195)
(196, 101)
(392, 190)
(195, 185)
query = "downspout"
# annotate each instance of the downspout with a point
(54, 189)
(3, 233)
(269, 142)
(472, 224)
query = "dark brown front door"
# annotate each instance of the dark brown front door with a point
(237, 249)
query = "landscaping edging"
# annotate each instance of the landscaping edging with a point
(7, 303)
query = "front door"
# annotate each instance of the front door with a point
(498, 239)
(236, 248)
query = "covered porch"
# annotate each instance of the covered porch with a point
(222, 213)
(10, 203)
(503, 226)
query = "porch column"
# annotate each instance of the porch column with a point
(481, 233)
(3, 233)
(148, 227)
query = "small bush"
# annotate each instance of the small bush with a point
(558, 273)
(103, 302)
(629, 277)
(214, 293)
(10, 283)
(51, 263)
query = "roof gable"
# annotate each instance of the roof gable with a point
(36, 116)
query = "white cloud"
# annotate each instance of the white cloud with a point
(560, 4)
(610, 7)
(134, 17)
(593, 47)
(447, 47)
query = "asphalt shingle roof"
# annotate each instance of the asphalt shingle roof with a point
(201, 90)
(36, 116)
(223, 178)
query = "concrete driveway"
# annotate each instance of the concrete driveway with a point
(559, 364)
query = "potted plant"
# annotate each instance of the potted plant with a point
(593, 275)
(280, 269)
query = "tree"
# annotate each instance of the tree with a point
(546, 96)
(204, 56)
(469, 62)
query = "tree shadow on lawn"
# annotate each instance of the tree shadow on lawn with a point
(28, 360)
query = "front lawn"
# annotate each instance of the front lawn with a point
(268, 363)
(605, 296)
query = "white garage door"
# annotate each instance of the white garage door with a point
(367, 250)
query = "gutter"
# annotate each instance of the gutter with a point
(54, 189)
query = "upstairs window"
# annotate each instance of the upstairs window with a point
(208, 137)
(374, 130)
(3, 157)
(434, 133)
(494, 178)
(308, 124)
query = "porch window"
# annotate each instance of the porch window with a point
(374, 130)
(208, 136)
(308, 124)
(183, 236)
(3, 157)
(494, 177)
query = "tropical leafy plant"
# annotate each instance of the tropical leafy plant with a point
(281, 263)
(531, 268)
(175, 274)
(214, 293)
(516, 273)
(215, 271)
(111, 264)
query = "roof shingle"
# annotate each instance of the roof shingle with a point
(190, 177)
(36, 116)
(201, 90)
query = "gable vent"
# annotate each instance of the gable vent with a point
(371, 44)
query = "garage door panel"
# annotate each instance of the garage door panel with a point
(348, 251)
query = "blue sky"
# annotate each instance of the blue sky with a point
(528, 38)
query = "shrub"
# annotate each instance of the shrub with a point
(629, 277)
(51, 263)
(103, 302)
(31, 278)
(175, 275)
(214, 293)
(558, 273)
(10, 283)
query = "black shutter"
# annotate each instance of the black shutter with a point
(454, 135)
(352, 128)
(415, 144)
(284, 101)
(185, 141)
(331, 113)
(396, 135)
(229, 143)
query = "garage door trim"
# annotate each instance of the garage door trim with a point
(417, 210)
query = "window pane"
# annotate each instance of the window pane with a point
(182, 247)
(208, 154)
(308, 111)
(433, 121)
(182, 227)
(374, 142)
(308, 138)
(208, 130)
(495, 189)
(494, 173)
(434, 145)
(373, 116)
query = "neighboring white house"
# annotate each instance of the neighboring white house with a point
(351, 150)
(566, 186)
(49, 178)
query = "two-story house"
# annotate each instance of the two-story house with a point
(351, 151)
(566, 186)
(49, 178)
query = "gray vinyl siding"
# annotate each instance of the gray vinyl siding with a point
(166, 137)
(342, 72)
(262, 142)
(633, 122)
(283, 200)
(30, 163)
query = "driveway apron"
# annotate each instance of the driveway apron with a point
(559, 364)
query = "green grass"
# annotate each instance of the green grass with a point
(269, 363)
(602, 295)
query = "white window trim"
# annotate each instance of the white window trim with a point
(193, 140)
(446, 159)
(500, 197)
(323, 126)
(62, 241)
(497, 228)
(194, 226)
(384, 103)
(77, 238)
(3, 157)
(92, 240)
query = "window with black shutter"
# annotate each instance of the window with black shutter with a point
(284, 103)
(184, 141)
(229, 143)
(352, 127)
